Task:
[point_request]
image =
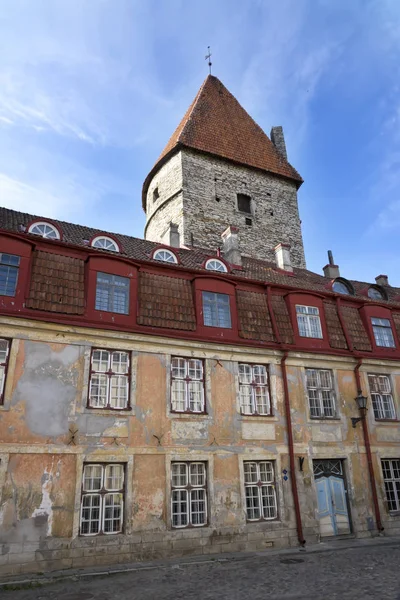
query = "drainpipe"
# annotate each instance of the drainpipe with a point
(368, 451)
(301, 539)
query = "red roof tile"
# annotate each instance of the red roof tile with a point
(57, 284)
(254, 318)
(217, 124)
(335, 330)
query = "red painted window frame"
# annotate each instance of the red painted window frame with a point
(370, 311)
(23, 250)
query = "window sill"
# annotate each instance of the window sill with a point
(126, 412)
(387, 421)
(189, 415)
(325, 420)
(272, 418)
(394, 513)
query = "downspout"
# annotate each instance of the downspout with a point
(368, 451)
(295, 493)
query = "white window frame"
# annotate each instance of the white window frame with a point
(383, 332)
(259, 482)
(164, 255)
(212, 303)
(187, 487)
(381, 391)
(110, 379)
(254, 385)
(186, 374)
(320, 393)
(49, 231)
(213, 264)
(4, 356)
(391, 483)
(105, 243)
(102, 492)
(308, 321)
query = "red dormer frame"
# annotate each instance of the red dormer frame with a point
(50, 222)
(171, 249)
(106, 235)
(215, 284)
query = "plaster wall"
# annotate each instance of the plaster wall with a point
(48, 433)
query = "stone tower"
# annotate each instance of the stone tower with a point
(218, 169)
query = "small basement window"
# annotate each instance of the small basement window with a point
(244, 203)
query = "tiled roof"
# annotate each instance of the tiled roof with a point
(254, 318)
(57, 284)
(335, 330)
(190, 258)
(217, 124)
(166, 302)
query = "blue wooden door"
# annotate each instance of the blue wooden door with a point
(332, 506)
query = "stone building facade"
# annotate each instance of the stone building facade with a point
(204, 182)
(164, 398)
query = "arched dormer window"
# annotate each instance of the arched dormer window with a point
(165, 256)
(342, 286)
(45, 230)
(105, 243)
(375, 292)
(213, 264)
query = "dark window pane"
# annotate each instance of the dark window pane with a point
(216, 310)
(244, 203)
(8, 275)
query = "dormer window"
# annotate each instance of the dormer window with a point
(216, 265)
(244, 203)
(105, 243)
(376, 293)
(383, 332)
(341, 286)
(308, 321)
(165, 256)
(45, 230)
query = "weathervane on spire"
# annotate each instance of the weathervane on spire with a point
(208, 57)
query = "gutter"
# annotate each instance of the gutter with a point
(368, 451)
(295, 493)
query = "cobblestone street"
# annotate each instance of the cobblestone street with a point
(353, 574)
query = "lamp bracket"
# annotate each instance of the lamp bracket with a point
(355, 420)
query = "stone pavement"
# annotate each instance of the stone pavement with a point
(360, 570)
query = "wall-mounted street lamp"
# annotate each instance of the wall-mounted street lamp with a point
(362, 406)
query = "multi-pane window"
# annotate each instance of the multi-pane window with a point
(109, 379)
(4, 350)
(187, 385)
(112, 293)
(188, 494)
(381, 396)
(102, 505)
(383, 333)
(253, 390)
(308, 321)
(259, 486)
(321, 393)
(216, 310)
(391, 478)
(9, 265)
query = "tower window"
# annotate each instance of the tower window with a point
(244, 203)
(156, 194)
(249, 222)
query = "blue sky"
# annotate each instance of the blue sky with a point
(90, 92)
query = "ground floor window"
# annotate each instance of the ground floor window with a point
(188, 494)
(260, 492)
(391, 477)
(102, 505)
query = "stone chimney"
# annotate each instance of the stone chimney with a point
(278, 139)
(231, 246)
(331, 270)
(382, 280)
(171, 236)
(282, 257)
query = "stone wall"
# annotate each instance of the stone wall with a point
(210, 187)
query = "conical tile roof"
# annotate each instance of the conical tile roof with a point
(217, 124)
